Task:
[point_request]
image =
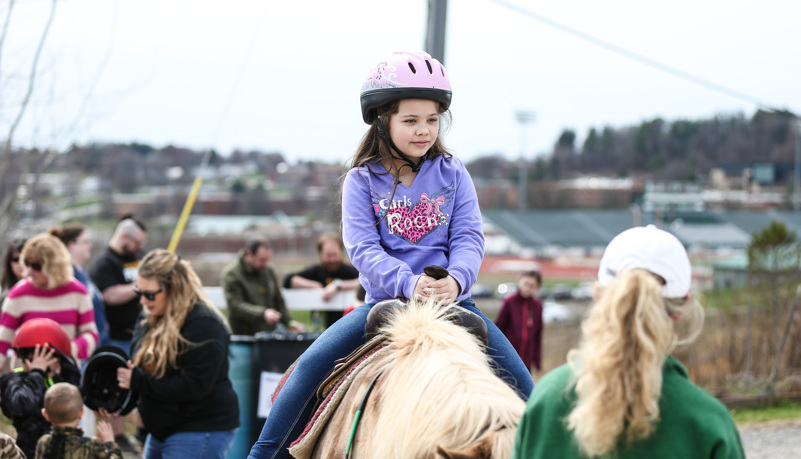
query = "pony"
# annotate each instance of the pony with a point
(432, 394)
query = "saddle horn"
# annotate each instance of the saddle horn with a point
(380, 313)
(469, 320)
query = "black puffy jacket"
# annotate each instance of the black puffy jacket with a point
(22, 400)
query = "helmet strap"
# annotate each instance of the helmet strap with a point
(415, 167)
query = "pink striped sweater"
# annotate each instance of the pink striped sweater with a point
(69, 305)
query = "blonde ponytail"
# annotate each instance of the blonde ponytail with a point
(618, 364)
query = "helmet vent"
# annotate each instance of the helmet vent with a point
(412, 68)
(428, 64)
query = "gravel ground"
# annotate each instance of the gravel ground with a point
(768, 440)
(772, 440)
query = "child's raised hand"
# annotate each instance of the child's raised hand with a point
(102, 413)
(42, 359)
(104, 432)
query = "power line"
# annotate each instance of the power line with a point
(638, 57)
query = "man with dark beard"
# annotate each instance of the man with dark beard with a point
(253, 294)
(114, 272)
(332, 274)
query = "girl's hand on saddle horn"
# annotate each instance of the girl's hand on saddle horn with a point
(444, 290)
(421, 286)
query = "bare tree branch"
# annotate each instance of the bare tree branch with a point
(5, 26)
(31, 80)
(93, 84)
(786, 333)
(8, 211)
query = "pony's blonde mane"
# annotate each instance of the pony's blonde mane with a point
(439, 389)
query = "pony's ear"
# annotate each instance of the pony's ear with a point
(482, 450)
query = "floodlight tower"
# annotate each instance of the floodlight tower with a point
(524, 118)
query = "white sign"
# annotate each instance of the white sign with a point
(299, 299)
(269, 381)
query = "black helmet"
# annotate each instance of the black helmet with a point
(99, 385)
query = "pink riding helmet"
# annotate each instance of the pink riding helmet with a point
(404, 75)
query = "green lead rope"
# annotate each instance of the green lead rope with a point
(359, 411)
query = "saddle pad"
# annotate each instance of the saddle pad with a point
(303, 447)
(342, 366)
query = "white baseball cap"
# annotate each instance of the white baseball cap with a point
(651, 249)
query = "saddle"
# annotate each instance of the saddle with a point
(331, 390)
(346, 364)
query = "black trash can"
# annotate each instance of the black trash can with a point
(273, 354)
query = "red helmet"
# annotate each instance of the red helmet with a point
(42, 331)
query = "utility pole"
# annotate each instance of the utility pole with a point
(523, 118)
(797, 177)
(435, 33)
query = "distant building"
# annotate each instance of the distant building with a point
(730, 273)
(672, 196)
(590, 230)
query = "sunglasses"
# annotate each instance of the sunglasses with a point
(35, 265)
(151, 296)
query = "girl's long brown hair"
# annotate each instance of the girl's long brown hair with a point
(374, 149)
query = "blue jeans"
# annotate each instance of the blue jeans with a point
(197, 445)
(293, 406)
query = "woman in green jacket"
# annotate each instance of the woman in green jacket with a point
(621, 394)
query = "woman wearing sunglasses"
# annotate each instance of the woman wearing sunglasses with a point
(180, 364)
(49, 290)
(12, 267)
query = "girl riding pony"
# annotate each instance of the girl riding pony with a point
(406, 203)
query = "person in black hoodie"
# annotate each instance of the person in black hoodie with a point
(43, 347)
(180, 364)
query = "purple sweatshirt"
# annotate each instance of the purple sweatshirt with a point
(436, 221)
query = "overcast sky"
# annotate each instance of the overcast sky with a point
(285, 75)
